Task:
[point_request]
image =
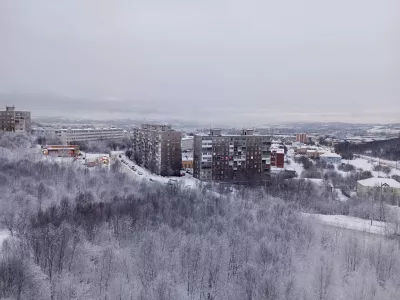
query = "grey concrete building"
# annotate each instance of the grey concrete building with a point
(70, 136)
(15, 121)
(244, 158)
(158, 149)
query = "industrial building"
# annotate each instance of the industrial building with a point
(14, 120)
(68, 136)
(158, 149)
(244, 158)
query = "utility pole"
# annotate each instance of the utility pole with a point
(381, 205)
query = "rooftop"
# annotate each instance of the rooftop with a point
(89, 129)
(377, 182)
(330, 154)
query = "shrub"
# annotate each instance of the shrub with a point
(346, 168)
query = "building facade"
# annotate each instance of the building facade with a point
(278, 158)
(244, 158)
(187, 143)
(158, 149)
(15, 121)
(331, 158)
(384, 185)
(301, 138)
(68, 136)
(187, 160)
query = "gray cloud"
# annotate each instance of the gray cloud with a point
(247, 62)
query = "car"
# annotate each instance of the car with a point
(120, 156)
(123, 161)
(151, 179)
(140, 173)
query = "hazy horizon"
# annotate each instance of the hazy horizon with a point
(221, 63)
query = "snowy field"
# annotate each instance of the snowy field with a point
(353, 223)
(368, 164)
(3, 235)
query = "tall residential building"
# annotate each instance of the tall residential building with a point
(70, 136)
(278, 158)
(244, 158)
(158, 149)
(301, 138)
(14, 120)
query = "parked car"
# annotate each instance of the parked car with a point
(140, 173)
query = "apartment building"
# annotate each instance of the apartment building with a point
(278, 158)
(244, 158)
(301, 138)
(158, 149)
(15, 121)
(70, 136)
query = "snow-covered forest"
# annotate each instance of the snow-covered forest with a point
(80, 234)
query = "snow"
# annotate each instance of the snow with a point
(4, 234)
(353, 223)
(315, 180)
(187, 180)
(390, 163)
(330, 154)
(368, 164)
(341, 196)
(372, 182)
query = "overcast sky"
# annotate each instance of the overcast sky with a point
(244, 62)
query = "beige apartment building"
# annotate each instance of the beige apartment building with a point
(158, 149)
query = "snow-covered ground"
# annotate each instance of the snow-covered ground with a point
(340, 195)
(367, 165)
(3, 235)
(187, 180)
(390, 163)
(353, 223)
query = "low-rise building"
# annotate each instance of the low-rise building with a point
(331, 158)
(68, 136)
(386, 185)
(187, 160)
